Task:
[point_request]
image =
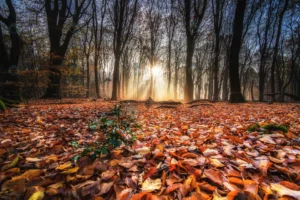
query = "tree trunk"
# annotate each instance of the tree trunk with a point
(216, 69)
(252, 93)
(189, 85)
(96, 76)
(169, 69)
(56, 60)
(225, 84)
(235, 88)
(9, 61)
(261, 85)
(88, 76)
(176, 83)
(116, 80)
(274, 60)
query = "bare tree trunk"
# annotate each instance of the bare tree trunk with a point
(217, 6)
(88, 76)
(96, 76)
(276, 47)
(9, 61)
(176, 84)
(189, 85)
(236, 43)
(124, 14)
(225, 84)
(116, 80)
(56, 19)
(192, 10)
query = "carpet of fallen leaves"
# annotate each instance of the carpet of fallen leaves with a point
(204, 152)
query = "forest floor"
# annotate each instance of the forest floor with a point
(204, 152)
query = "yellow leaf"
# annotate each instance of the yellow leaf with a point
(215, 162)
(51, 158)
(151, 185)
(12, 164)
(284, 191)
(34, 159)
(71, 171)
(30, 174)
(64, 166)
(143, 150)
(38, 195)
(56, 185)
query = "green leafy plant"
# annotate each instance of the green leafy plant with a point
(2, 105)
(269, 127)
(274, 127)
(114, 128)
(253, 127)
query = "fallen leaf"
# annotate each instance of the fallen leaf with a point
(12, 164)
(214, 175)
(34, 159)
(173, 187)
(71, 171)
(107, 174)
(290, 185)
(236, 181)
(250, 186)
(105, 187)
(215, 162)
(151, 185)
(267, 139)
(38, 195)
(64, 166)
(150, 172)
(143, 150)
(284, 191)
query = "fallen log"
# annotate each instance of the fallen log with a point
(165, 106)
(170, 102)
(201, 104)
(197, 101)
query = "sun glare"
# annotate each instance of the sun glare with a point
(157, 71)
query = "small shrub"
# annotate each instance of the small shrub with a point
(115, 128)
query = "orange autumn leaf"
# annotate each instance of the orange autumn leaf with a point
(250, 186)
(236, 181)
(290, 185)
(214, 175)
(231, 195)
(150, 172)
(173, 187)
(159, 156)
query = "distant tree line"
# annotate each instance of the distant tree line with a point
(206, 49)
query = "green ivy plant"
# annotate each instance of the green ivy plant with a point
(114, 128)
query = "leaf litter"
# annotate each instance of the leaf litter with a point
(183, 153)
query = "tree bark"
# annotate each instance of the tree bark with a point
(235, 87)
(57, 16)
(189, 85)
(225, 84)
(124, 14)
(116, 80)
(9, 62)
(88, 76)
(276, 47)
